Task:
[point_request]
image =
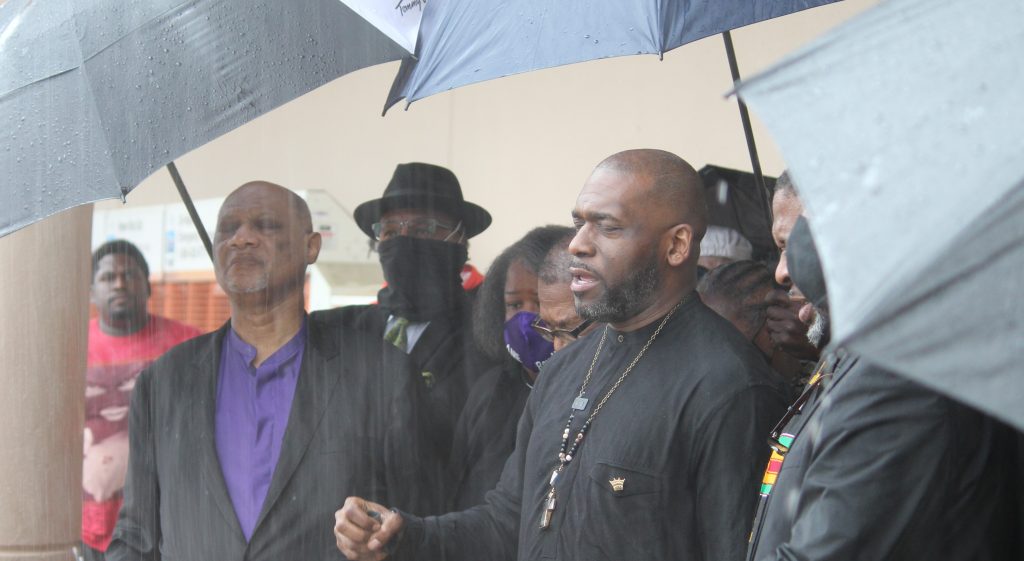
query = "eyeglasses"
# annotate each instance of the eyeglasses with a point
(425, 228)
(551, 334)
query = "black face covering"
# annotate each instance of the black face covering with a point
(423, 277)
(805, 265)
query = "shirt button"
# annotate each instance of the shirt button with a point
(621, 338)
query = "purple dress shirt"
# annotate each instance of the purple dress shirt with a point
(252, 414)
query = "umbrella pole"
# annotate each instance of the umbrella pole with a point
(187, 199)
(748, 131)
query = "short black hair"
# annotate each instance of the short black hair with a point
(119, 247)
(555, 268)
(489, 305)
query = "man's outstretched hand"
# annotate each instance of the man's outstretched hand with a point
(364, 529)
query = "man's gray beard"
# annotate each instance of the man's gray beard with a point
(819, 331)
(625, 301)
(251, 287)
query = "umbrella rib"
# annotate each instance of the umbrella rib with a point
(129, 32)
(13, 91)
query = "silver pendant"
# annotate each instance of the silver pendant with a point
(549, 509)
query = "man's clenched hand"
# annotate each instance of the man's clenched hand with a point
(360, 535)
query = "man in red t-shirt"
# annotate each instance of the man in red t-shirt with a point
(123, 340)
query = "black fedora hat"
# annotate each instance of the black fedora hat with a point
(427, 187)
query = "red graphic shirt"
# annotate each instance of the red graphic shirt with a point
(114, 364)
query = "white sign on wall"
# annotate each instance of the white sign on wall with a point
(343, 241)
(169, 241)
(142, 226)
(183, 248)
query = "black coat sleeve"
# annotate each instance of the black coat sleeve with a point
(489, 531)
(878, 461)
(137, 533)
(733, 450)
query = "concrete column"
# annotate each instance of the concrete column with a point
(44, 308)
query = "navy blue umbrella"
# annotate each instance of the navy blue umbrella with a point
(462, 42)
(467, 41)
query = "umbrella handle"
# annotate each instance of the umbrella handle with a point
(187, 199)
(748, 131)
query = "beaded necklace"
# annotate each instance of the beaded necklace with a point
(566, 452)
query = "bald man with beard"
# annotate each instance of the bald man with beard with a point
(245, 440)
(634, 441)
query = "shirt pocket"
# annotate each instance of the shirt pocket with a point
(623, 514)
(621, 481)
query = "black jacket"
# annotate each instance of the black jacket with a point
(425, 392)
(176, 505)
(365, 420)
(486, 433)
(881, 468)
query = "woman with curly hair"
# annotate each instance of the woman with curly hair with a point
(505, 308)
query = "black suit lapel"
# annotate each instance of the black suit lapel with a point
(439, 347)
(203, 401)
(318, 377)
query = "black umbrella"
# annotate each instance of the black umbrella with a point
(95, 96)
(735, 201)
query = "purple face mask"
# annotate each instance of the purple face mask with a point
(526, 345)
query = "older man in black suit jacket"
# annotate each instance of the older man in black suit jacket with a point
(245, 440)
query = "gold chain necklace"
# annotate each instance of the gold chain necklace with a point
(567, 452)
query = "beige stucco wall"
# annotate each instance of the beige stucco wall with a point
(521, 146)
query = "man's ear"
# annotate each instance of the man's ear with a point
(313, 244)
(680, 244)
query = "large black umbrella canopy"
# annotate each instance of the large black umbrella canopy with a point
(902, 131)
(95, 96)
(467, 41)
